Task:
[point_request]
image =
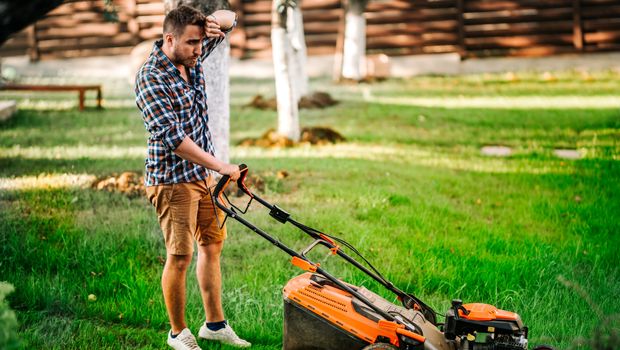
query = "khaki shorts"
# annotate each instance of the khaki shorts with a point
(187, 213)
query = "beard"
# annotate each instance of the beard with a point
(187, 61)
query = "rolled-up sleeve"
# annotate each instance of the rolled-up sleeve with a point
(158, 114)
(209, 44)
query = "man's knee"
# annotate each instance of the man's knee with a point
(178, 262)
(211, 251)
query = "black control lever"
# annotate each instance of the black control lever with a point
(457, 304)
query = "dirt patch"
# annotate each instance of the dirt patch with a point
(309, 135)
(127, 183)
(312, 101)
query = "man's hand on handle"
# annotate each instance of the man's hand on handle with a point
(231, 170)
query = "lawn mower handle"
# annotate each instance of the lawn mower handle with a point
(320, 238)
(225, 180)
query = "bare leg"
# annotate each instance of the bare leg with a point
(173, 286)
(210, 280)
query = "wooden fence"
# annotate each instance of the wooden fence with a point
(472, 28)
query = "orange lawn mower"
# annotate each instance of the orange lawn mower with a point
(323, 312)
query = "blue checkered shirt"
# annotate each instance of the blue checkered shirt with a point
(173, 109)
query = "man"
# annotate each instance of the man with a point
(170, 93)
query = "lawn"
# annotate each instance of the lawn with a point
(531, 232)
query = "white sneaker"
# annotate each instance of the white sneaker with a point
(183, 341)
(225, 335)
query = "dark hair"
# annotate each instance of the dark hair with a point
(181, 17)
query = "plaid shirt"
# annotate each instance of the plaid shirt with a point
(173, 109)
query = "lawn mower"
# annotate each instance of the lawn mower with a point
(326, 313)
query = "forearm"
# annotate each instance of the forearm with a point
(218, 24)
(225, 18)
(190, 151)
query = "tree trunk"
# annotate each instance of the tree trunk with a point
(218, 98)
(354, 54)
(295, 28)
(288, 113)
(217, 80)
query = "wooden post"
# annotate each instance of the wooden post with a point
(33, 45)
(460, 8)
(81, 97)
(99, 98)
(577, 26)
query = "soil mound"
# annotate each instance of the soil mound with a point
(309, 135)
(319, 135)
(128, 183)
(261, 102)
(315, 100)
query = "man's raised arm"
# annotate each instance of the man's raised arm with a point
(218, 24)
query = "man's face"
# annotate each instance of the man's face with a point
(187, 47)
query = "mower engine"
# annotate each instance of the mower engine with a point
(484, 327)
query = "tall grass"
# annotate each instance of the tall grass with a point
(410, 189)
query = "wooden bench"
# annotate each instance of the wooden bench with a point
(81, 89)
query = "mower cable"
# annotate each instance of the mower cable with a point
(348, 245)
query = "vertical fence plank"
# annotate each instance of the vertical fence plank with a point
(132, 23)
(239, 39)
(33, 45)
(460, 12)
(577, 26)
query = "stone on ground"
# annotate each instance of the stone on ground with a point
(7, 109)
(496, 151)
(567, 153)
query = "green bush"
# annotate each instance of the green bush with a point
(8, 321)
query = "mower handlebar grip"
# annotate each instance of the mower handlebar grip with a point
(223, 183)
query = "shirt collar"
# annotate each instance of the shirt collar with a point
(162, 60)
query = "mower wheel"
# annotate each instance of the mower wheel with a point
(544, 347)
(380, 346)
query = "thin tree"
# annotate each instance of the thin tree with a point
(217, 79)
(354, 50)
(287, 63)
(295, 29)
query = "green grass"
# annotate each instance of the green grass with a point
(530, 233)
